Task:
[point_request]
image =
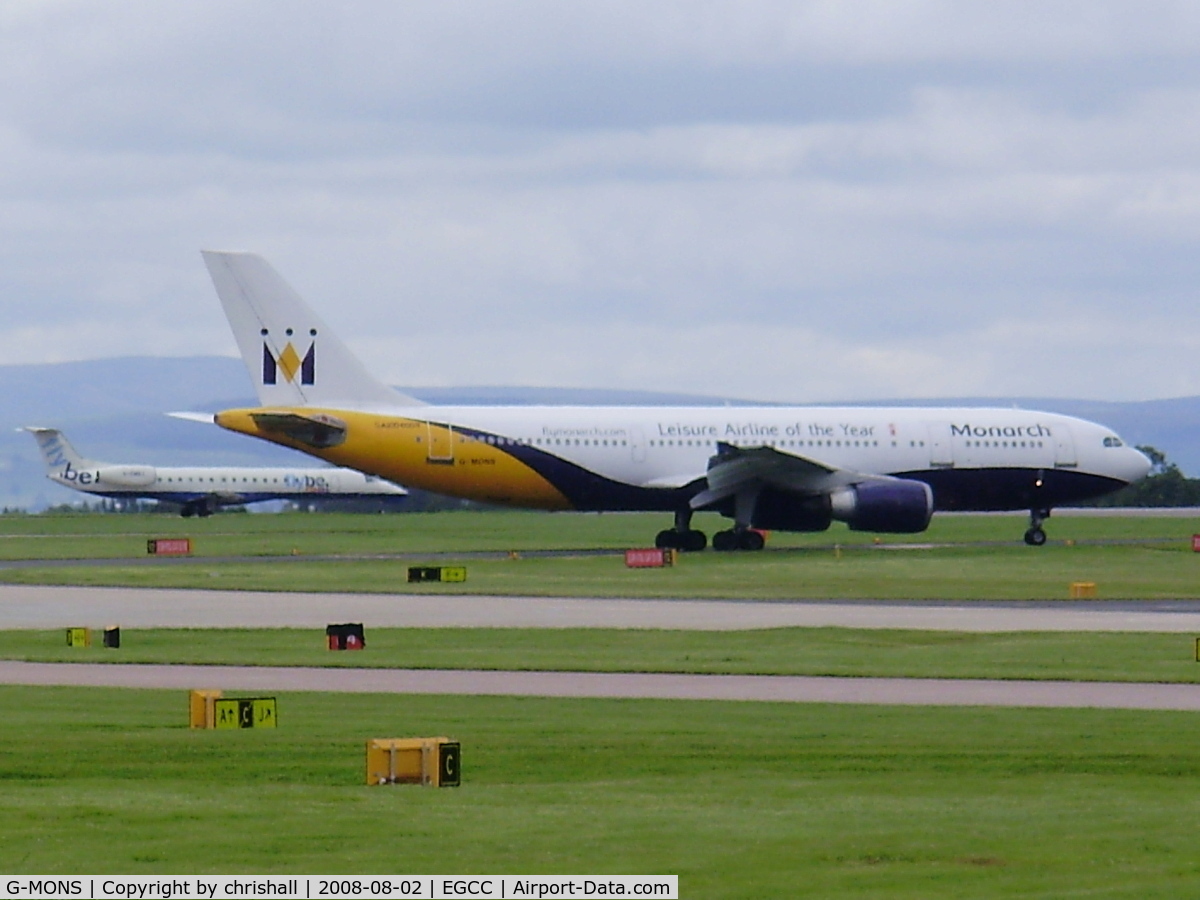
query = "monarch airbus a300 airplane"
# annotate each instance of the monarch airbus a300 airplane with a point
(878, 469)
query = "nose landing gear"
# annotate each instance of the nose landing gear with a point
(1034, 535)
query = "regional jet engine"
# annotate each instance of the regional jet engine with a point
(126, 476)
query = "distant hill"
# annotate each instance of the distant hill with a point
(536, 396)
(112, 409)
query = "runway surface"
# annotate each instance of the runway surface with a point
(23, 606)
(770, 688)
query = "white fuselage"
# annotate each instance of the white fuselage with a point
(225, 485)
(640, 457)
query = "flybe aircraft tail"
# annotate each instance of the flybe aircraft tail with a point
(57, 451)
(292, 356)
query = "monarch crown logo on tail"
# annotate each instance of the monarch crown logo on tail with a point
(289, 361)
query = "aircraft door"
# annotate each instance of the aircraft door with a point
(637, 444)
(941, 449)
(440, 444)
(1064, 447)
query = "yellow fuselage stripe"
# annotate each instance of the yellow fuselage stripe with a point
(417, 454)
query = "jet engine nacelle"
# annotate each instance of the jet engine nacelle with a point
(899, 506)
(126, 476)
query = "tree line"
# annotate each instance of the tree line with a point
(1164, 486)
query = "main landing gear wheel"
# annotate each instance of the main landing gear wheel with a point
(683, 536)
(724, 541)
(689, 541)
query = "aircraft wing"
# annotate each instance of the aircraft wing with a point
(672, 481)
(736, 469)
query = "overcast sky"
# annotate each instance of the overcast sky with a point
(779, 201)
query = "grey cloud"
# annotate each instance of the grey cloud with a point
(273, 80)
(815, 200)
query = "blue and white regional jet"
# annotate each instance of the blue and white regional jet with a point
(200, 491)
(879, 469)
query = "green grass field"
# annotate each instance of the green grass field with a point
(740, 800)
(60, 536)
(963, 557)
(776, 651)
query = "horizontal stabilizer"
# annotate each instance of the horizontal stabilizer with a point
(319, 430)
(203, 418)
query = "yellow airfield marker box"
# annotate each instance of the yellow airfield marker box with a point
(201, 711)
(434, 762)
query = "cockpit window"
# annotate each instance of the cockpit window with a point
(1113, 441)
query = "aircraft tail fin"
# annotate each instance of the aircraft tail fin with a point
(293, 358)
(57, 452)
